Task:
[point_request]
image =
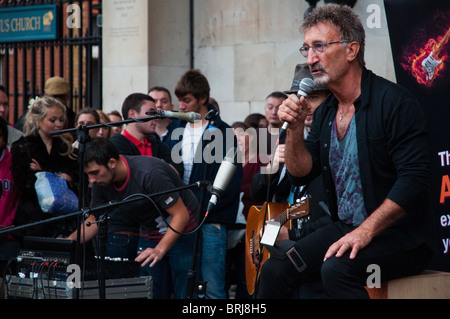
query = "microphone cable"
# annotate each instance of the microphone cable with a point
(164, 217)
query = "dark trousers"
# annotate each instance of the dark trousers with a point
(341, 277)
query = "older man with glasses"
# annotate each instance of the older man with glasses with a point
(369, 141)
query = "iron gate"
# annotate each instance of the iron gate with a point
(75, 54)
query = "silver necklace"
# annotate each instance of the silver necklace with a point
(348, 108)
(342, 115)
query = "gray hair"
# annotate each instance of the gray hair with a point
(345, 20)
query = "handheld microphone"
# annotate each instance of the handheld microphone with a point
(223, 177)
(184, 116)
(306, 87)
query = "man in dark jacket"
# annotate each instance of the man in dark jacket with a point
(369, 141)
(201, 147)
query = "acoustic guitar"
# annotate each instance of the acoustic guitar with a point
(255, 255)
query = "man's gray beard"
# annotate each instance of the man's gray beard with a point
(322, 81)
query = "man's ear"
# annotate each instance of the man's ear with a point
(352, 51)
(204, 101)
(131, 114)
(112, 163)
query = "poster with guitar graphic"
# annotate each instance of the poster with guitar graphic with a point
(419, 31)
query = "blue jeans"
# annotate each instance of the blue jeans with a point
(213, 262)
(123, 246)
(171, 273)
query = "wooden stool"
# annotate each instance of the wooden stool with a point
(427, 285)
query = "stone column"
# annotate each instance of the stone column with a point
(125, 51)
(145, 43)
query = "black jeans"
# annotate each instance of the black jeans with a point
(341, 277)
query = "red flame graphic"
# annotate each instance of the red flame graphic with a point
(428, 61)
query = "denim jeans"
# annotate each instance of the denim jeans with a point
(213, 261)
(123, 246)
(170, 274)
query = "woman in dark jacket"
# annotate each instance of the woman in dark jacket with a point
(39, 150)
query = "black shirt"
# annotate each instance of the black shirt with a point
(392, 151)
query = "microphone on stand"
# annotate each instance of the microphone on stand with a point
(306, 87)
(184, 116)
(223, 177)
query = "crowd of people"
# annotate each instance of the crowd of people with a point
(362, 162)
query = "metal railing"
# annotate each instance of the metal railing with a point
(76, 55)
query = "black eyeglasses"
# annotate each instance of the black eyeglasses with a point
(318, 47)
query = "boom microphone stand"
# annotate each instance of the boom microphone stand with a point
(84, 213)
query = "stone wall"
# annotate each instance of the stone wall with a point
(246, 48)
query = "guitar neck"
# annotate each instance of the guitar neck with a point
(294, 212)
(283, 218)
(441, 44)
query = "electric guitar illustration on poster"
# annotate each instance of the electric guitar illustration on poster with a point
(434, 59)
(426, 62)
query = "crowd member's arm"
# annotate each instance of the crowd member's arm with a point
(87, 232)
(180, 219)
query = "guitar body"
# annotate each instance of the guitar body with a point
(253, 252)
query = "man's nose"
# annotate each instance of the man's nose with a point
(312, 58)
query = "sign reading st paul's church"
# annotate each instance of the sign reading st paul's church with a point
(28, 23)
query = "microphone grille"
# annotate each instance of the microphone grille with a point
(307, 85)
(193, 117)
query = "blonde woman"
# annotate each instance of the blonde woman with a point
(39, 150)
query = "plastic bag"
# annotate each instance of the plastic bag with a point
(54, 195)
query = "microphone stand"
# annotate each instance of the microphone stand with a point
(268, 192)
(84, 213)
(194, 286)
(102, 223)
